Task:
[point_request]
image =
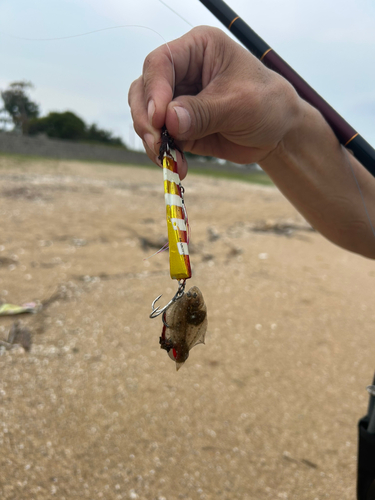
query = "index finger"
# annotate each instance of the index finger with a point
(158, 83)
(167, 67)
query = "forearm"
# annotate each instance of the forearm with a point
(315, 173)
(231, 106)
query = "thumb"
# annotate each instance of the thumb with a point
(190, 118)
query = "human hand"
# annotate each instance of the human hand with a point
(226, 103)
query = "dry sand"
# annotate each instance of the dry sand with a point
(267, 409)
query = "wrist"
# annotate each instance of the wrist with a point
(310, 167)
(298, 164)
(304, 123)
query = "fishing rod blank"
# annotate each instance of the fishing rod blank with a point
(371, 410)
(345, 133)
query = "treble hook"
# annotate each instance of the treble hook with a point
(156, 311)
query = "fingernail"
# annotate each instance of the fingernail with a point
(184, 120)
(149, 140)
(151, 110)
(157, 159)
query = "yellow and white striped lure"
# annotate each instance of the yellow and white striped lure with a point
(177, 221)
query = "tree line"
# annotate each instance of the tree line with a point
(25, 116)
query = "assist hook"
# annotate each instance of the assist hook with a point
(156, 311)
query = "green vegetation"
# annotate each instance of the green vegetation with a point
(19, 106)
(67, 125)
(59, 125)
(95, 134)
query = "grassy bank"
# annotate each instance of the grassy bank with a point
(236, 175)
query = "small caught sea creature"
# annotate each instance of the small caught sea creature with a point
(184, 326)
(185, 315)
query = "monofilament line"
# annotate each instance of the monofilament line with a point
(98, 31)
(177, 14)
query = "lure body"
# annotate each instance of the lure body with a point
(185, 325)
(177, 223)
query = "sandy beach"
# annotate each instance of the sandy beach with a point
(266, 409)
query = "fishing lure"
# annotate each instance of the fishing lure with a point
(177, 220)
(185, 315)
(185, 325)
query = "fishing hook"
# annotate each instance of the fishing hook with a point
(156, 311)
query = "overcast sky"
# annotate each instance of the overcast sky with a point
(331, 43)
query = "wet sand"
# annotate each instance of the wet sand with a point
(267, 409)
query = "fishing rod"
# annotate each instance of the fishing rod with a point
(345, 133)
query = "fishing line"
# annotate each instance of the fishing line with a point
(175, 12)
(121, 26)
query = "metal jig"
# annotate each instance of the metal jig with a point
(156, 311)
